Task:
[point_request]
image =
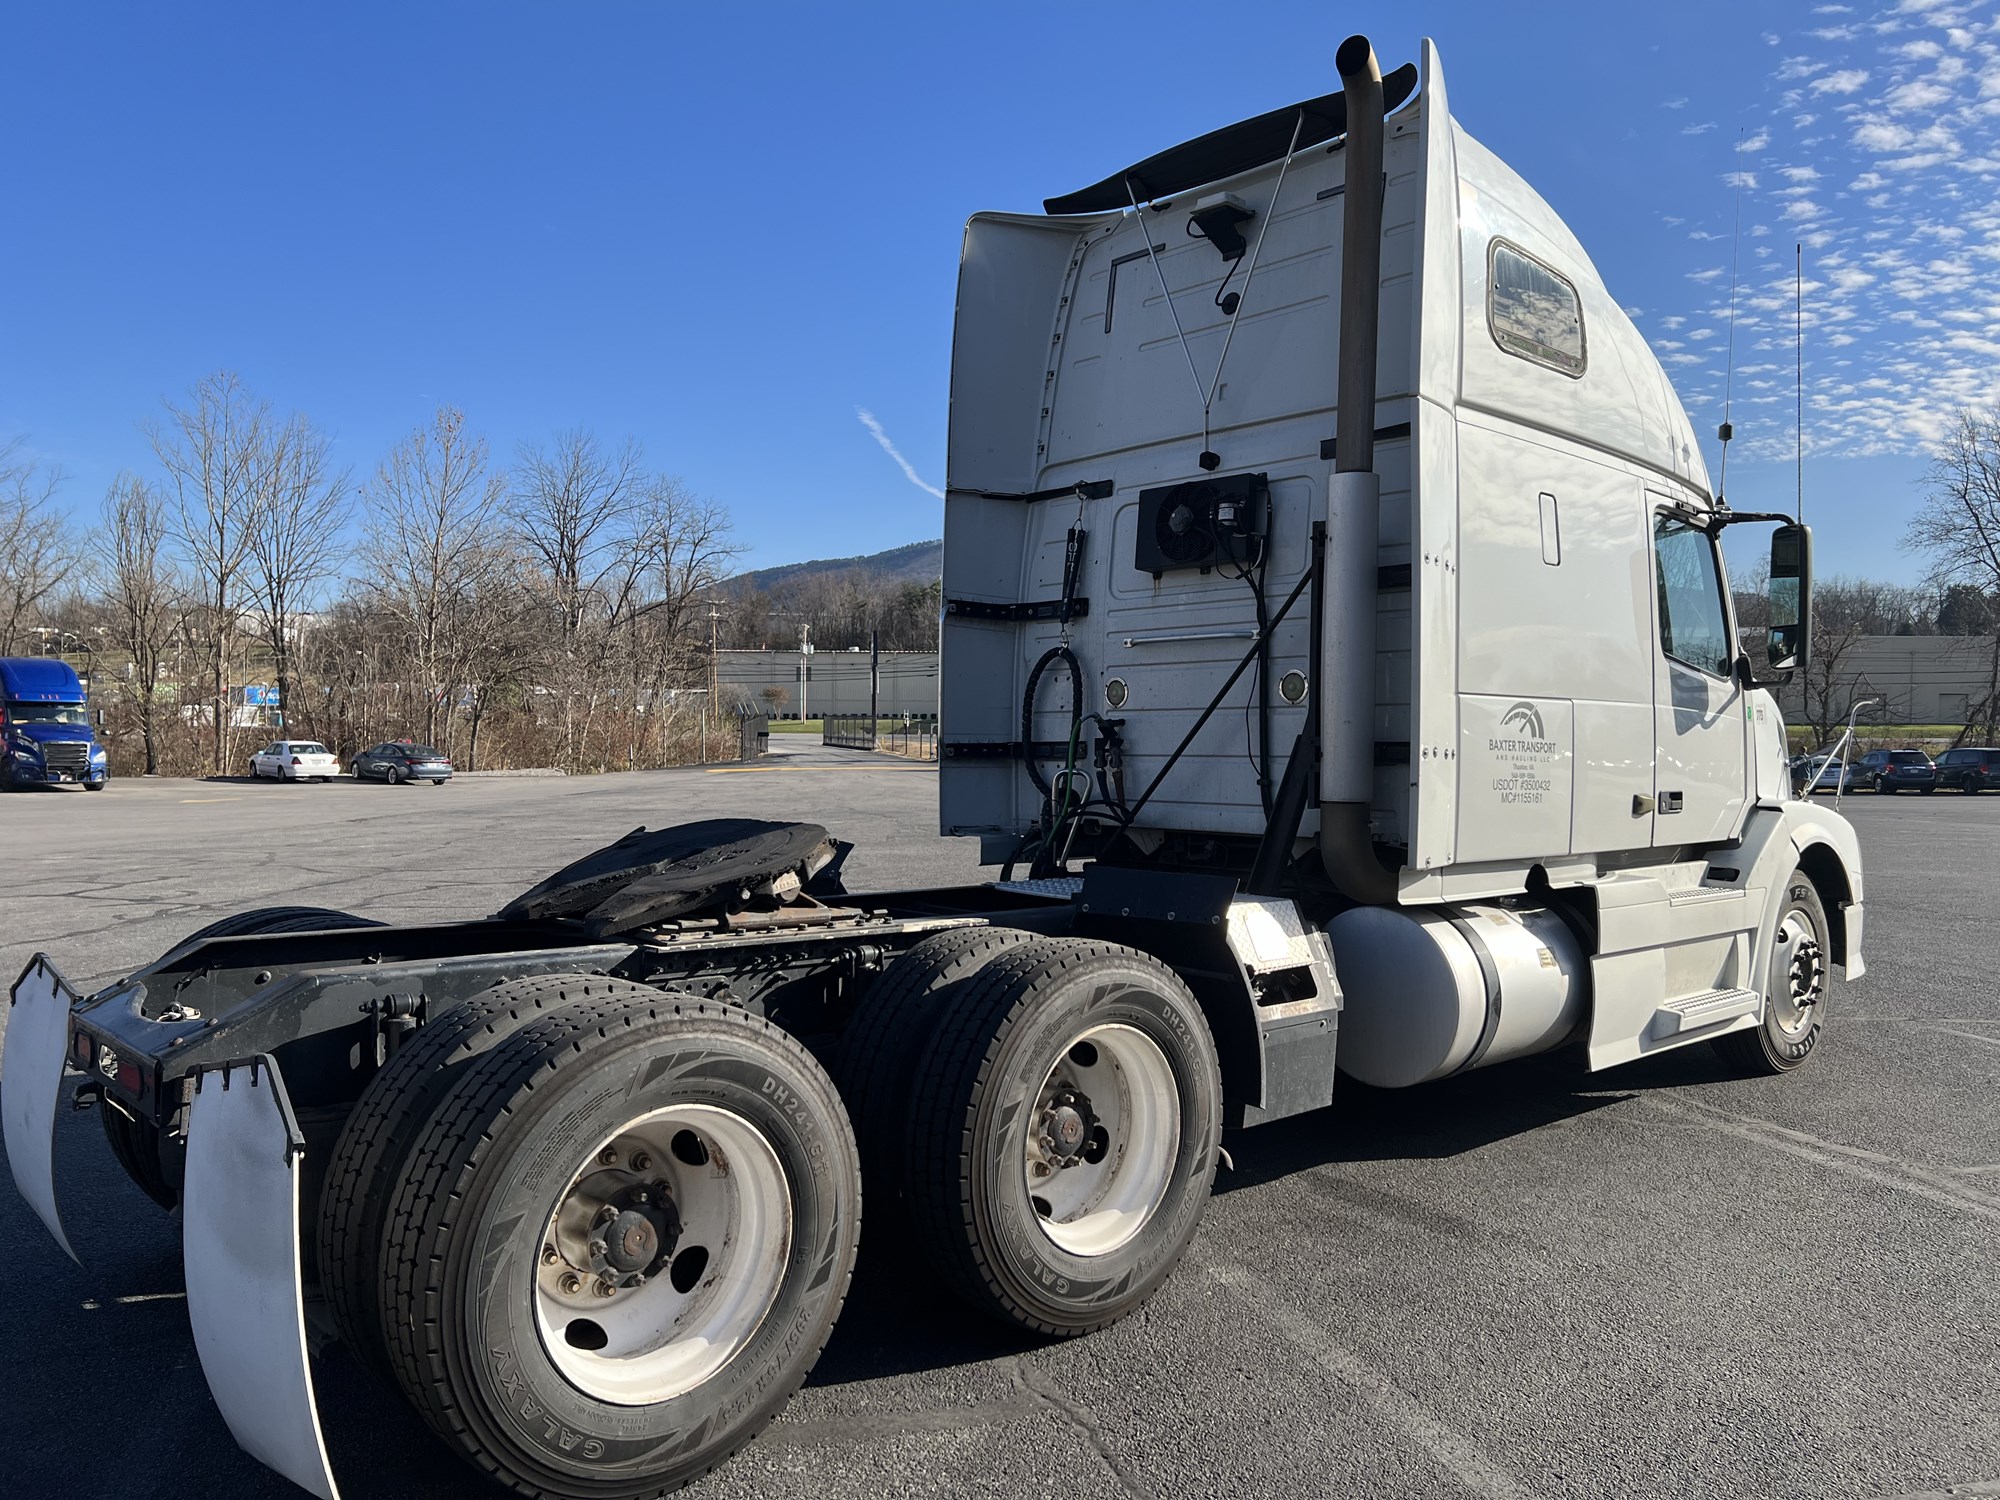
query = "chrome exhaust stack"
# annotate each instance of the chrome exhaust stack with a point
(1354, 497)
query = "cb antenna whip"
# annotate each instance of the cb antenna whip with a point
(1726, 431)
(1799, 374)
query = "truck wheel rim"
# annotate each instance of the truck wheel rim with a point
(664, 1255)
(1102, 1140)
(1798, 976)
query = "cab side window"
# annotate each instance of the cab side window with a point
(1693, 626)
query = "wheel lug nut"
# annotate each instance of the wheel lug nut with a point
(597, 1249)
(641, 1162)
(606, 1214)
(1038, 1169)
(571, 1283)
(605, 1287)
(549, 1256)
(607, 1157)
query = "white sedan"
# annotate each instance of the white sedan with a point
(294, 760)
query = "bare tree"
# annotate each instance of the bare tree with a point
(295, 546)
(38, 550)
(431, 548)
(1958, 525)
(214, 448)
(147, 602)
(571, 507)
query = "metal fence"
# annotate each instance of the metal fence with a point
(913, 735)
(848, 731)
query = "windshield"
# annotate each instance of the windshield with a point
(1910, 758)
(307, 747)
(47, 713)
(422, 752)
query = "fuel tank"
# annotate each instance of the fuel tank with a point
(1433, 991)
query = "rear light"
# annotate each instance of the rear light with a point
(296, 761)
(130, 1079)
(80, 1050)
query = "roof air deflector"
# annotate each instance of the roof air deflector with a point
(1228, 151)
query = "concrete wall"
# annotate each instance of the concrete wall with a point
(839, 681)
(1922, 679)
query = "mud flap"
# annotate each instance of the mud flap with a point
(31, 1073)
(240, 1242)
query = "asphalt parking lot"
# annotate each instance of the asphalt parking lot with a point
(1529, 1282)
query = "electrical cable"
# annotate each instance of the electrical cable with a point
(1206, 394)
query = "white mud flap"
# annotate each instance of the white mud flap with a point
(240, 1241)
(31, 1073)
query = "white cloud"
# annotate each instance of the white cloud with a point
(1699, 334)
(1850, 278)
(1919, 94)
(1846, 81)
(1800, 122)
(1800, 174)
(1867, 182)
(1758, 231)
(909, 470)
(1801, 208)
(1739, 179)
(1701, 129)
(1680, 103)
(1922, 50)
(1798, 67)
(1882, 135)
(1755, 142)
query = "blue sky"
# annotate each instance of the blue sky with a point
(728, 231)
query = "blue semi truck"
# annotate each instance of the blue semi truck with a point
(45, 722)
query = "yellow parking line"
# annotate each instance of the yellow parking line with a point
(783, 770)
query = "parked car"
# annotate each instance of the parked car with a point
(1893, 771)
(294, 760)
(1818, 773)
(403, 760)
(1970, 770)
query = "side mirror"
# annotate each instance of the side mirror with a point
(1790, 599)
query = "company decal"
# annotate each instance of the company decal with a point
(1525, 761)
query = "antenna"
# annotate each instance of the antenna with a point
(1799, 373)
(1726, 431)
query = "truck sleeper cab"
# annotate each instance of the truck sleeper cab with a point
(45, 721)
(1369, 703)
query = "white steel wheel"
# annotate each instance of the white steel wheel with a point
(1101, 1149)
(664, 1255)
(1062, 1132)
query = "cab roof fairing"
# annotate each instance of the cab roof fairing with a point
(1623, 401)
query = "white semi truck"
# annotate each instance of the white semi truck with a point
(1340, 662)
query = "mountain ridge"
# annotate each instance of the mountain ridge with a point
(916, 562)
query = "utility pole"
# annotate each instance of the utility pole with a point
(714, 678)
(805, 668)
(874, 682)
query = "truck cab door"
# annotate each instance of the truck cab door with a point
(1700, 727)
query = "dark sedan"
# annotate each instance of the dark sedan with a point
(402, 760)
(1974, 770)
(1895, 771)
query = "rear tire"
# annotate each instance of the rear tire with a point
(1795, 990)
(398, 1103)
(892, 1026)
(392, 776)
(1063, 1137)
(549, 1388)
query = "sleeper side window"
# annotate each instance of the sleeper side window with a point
(1693, 627)
(1533, 311)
